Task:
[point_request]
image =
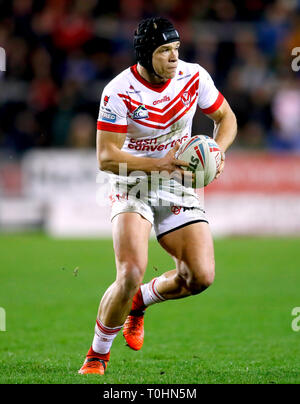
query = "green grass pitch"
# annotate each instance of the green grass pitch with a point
(237, 331)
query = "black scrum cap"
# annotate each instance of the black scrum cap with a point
(150, 34)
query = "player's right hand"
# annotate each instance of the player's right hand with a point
(175, 166)
(169, 163)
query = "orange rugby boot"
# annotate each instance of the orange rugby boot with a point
(94, 363)
(133, 329)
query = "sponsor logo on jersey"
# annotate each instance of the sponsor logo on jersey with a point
(108, 116)
(177, 209)
(105, 109)
(140, 112)
(154, 144)
(118, 197)
(133, 90)
(106, 99)
(164, 99)
(183, 77)
(186, 98)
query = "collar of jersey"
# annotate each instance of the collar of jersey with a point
(155, 87)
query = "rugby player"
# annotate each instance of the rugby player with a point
(146, 112)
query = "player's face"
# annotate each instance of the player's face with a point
(165, 60)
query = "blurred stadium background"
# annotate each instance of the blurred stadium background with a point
(59, 56)
(61, 53)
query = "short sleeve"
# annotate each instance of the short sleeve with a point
(112, 113)
(210, 98)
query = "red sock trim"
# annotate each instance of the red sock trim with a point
(107, 330)
(92, 354)
(154, 290)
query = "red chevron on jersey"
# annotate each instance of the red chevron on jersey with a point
(168, 115)
(149, 125)
(181, 105)
(162, 110)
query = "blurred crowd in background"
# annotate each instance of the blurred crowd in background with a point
(61, 53)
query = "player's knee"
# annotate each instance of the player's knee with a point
(130, 276)
(198, 284)
(200, 280)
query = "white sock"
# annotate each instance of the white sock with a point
(104, 337)
(150, 294)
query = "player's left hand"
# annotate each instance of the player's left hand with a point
(222, 165)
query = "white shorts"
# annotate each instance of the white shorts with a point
(166, 211)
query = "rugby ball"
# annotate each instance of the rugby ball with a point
(204, 157)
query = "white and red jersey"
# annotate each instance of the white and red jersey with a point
(154, 117)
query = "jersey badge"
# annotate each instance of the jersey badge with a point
(186, 98)
(140, 112)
